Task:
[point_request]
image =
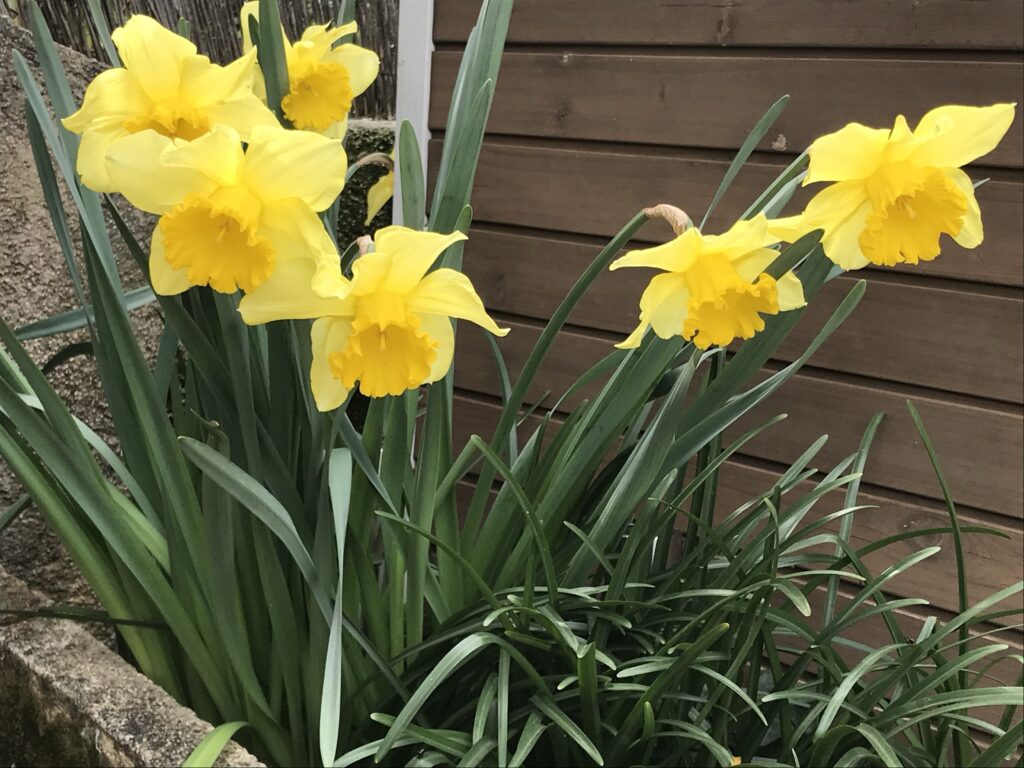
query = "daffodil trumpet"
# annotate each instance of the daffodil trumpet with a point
(230, 217)
(389, 328)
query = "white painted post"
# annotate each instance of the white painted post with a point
(412, 99)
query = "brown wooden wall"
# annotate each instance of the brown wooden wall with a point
(607, 106)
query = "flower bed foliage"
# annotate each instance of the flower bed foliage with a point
(270, 564)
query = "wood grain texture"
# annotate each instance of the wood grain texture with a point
(979, 448)
(994, 561)
(994, 24)
(593, 190)
(714, 101)
(927, 335)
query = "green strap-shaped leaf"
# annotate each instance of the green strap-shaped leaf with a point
(208, 750)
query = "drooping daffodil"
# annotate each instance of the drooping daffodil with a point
(323, 78)
(896, 192)
(714, 288)
(388, 329)
(164, 86)
(229, 217)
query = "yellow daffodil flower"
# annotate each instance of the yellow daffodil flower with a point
(229, 217)
(714, 289)
(896, 192)
(165, 86)
(323, 79)
(379, 194)
(389, 328)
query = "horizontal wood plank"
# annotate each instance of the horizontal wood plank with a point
(981, 449)
(927, 335)
(995, 561)
(714, 101)
(779, 23)
(590, 191)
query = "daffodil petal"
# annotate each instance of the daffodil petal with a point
(153, 54)
(790, 292)
(92, 158)
(327, 335)
(439, 328)
(742, 238)
(972, 233)
(363, 65)
(633, 340)
(673, 256)
(378, 195)
(842, 239)
(136, 171)
(447, 292)
(841, 210)
(217, 155)
(110, 99)
(166, 280)
(953, 136)
(288, 295)
(284, 164)
(853, 152)
(750, 265)
(243, 114)
(250, 9)
(297, 233)
(205, 84)
(338, 130)
(665, 305)
(789, 229)
(412, 253)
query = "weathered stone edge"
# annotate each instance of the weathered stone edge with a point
(73, 677)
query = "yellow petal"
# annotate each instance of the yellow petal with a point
(841, 210)
(288, 295)
(320, 38)
(363, 65)
(298, 233)
(633, 340)
(841, 241)
(378, 196)
(439, 328)
(971, 231)
(283, 164)
(92, 158)
(953, 136)
(328, 335)
(243, 114)
(249, 10)
(790, 292)
(789, 229)
(218, 155)
(153, 54)
(674, 256)
(665, 305)
(853, 152)
(447, 292)
(136, 171)
(790, 289)
(338, 130)
(166, 280)
(740, 239)
(411, 253)
(112, 98)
